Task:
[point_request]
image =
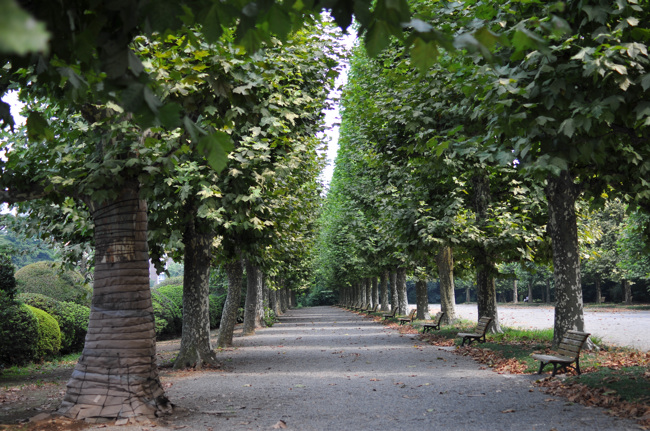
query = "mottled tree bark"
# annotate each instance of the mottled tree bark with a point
(263, 300)
(599, 292)
(116, 375)
(548, 291)
(627, 291)
(530, 291)
(375, 291)
(515, 295)
(196, 348)
(402, 298)
(394, 299)
(485, 268)
(561, 194)
(422, 300)
(383, 283)
(468, 294)
(234, 272)
(253, 293)
(445, 263)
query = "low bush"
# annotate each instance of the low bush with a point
(18, 334)
(48, 342)
(48, 279)
(171, 281)
(72, 319)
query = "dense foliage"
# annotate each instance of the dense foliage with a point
(71, 317)
(19, 334)
(48, 342)
(49, 279)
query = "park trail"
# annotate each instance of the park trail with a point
(324, 368)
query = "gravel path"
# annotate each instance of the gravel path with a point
(619, 327)
(324, 368)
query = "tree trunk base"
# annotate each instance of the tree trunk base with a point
(197, 359)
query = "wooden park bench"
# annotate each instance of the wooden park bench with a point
(390, 315)
(478, 334)
(409, 318)
(567, 353)
(435, 324)
(369, 310)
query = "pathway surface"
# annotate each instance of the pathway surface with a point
(324, 368)
(619, 327)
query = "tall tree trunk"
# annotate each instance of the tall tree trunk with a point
(422, 300)
(394, 299)
(468, 294)
(234, 272)
(383, 283)
(196, 348)
(561, 194)
(599, 292)
(402, 298)
(530, 291)
(364, 292)
(253, 293)
(485, 284)
(116, 375)
(627, 290)
(445, 263)
(515, 295)
(264, 300)
(375, 291)
(548, 291)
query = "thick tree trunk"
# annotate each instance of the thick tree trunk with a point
(264, 300)
(383, 283)
(599, 292)
(252, 318)
(234, 272)
(422, 300)
(530, 291)
(548, 291)
(375, 291)
(627, 291)
(485, 284)
(445, 263)
(394, 299)
(468, 294)
(196, 348)
(515, 295)
(561, 194)
(402, 298)
(116, 375)
(363, 292)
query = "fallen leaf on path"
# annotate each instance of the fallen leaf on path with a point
(508, 411)
(279, 425)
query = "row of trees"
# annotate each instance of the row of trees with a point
(494, 162)
(92, 173)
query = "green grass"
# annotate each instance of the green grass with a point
(628, 382)
(67, 361)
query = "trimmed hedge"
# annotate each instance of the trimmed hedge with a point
(47, 279)
(168, 310)
(171, 281)
(72, 319)
(49, 334)
(18, 334)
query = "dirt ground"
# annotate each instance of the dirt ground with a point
(326, 368)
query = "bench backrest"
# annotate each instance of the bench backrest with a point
(483, 324)
(412, 313)
(438, 318)
(572, 343)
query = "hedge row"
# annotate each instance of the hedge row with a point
(49, 279)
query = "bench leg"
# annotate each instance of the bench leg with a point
(541, 367)
(578, 366)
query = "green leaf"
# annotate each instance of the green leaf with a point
(20, 33)
(423, 54)
(38, 128)
(216, 147)
(377, 38)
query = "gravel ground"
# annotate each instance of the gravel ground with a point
(324, 368)
(619, 327)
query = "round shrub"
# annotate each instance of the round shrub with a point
(47, 279)
(72, 319)
(49, 334)
(167, 304)
(18, 334)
